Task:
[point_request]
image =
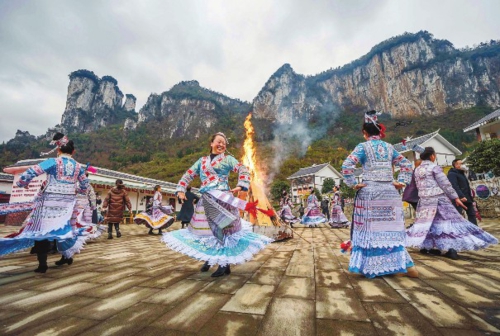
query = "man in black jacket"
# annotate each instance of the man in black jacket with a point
(324, 207)
(457, 177)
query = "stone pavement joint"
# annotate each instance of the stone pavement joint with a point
(136, 286)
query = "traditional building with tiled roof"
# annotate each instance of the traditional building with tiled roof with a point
(312, 176)
(445, 151)
(487, 127)
(139, 188)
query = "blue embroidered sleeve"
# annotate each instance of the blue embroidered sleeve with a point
(188, 176)
(44, 167)
(358, 155)
(405, 170)
(243, 173)
(83, 180)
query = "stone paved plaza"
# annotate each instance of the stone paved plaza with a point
(136, 286)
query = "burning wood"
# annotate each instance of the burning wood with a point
(271, 226)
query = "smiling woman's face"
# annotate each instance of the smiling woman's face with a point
(218, 145)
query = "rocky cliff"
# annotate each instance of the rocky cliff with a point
(188, 109)
(94, 102)
(408, 75)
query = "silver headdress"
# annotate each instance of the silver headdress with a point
(224, 136)
(59, 143)
(371, 118)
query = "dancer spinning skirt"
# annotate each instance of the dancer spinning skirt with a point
(285, 211)
(87, 213)
(337, 218)
(378, 231)
(313, 215)
(158, 217)
(216, 233)
(53, 216)
(438, 224)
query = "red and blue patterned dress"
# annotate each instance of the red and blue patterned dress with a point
(216, 233)
(378, 228)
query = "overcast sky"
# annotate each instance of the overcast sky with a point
(229, 46)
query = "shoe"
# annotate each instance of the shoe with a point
(452, 254)
(110, 236)
(205, 267)
(424, 251)
(411, 272)
(222, 270)
(41, 269)
(160, 233)
(435, 252)
(118, 234)
(61, 261)
(151, 232)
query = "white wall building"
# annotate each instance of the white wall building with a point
(445, 151)
(486, 128)
(139, 188)
(312, 176)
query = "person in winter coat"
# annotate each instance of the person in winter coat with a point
(187, 209)
(115, 202)
(459, 181)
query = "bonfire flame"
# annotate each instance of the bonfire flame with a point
(249, 156)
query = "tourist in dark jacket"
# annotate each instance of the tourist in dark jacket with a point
(324, 207)
(187, 208)
(116, 202)
(459, 181)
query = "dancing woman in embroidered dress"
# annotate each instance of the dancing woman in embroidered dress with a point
(378, 232)
(438, 224)
(216, 233)
(313, 215)
(285, 212)
(86, 207)
(337, 218)
(53, 216)
(159, 215)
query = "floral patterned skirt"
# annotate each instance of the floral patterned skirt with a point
(198, 241)
(378, 235)
(439, 226)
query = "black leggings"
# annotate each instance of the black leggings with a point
(41, 248)
(110, 227)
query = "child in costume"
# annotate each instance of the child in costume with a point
(313, 215)
(285, 211)
(337, 218)
(159, 215)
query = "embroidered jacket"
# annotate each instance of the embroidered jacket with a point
(336, 198)
(286, 201)
(63, 175)
(312, 200)
(214, 174)
(431, 181)
(377, 158)
(157, 199)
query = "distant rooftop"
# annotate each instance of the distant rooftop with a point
(6, 177)
(417, 141)
(422, 140)
(147, 183)
(495, 115)
(308, 170)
